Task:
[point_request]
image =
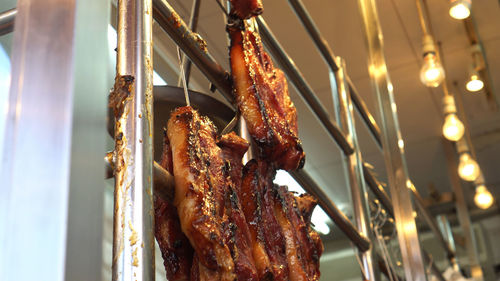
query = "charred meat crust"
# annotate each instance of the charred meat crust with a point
(200, 184)
(251, 202)
(261, 94)
(175, 249)
(306, 247)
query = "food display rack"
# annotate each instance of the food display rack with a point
(134, 179)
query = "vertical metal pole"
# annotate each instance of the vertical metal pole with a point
(354, 164)
(444, 226)
(393, 145)
(34, 178)
(133, 241)
(84, 246)
(462, 210)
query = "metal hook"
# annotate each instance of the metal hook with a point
(230, 126)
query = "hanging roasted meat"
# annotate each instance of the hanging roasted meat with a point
(238, 224)
(244, 9)
(293, 251)
(305, 204)
(261, 93)
(283, 243)
(175, 249)
(307, 247)
(200, 188)
(232, 221)
(267, 242)
(236, 231)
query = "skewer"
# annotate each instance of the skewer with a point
(163, 181)
(183, 77)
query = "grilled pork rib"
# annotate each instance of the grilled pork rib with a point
(261, 93)
(175, 249)
(294, 255)
(174, 246)
(268, 244)
(236, 232)
(307, 248)
(305, 205)
(199, 188)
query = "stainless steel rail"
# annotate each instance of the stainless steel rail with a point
(163, 181)
(303, 88)
(432, 223)
(7, 21)
(384, 199)
(193, 46)
(433, 268)
(397, 172)
(342, 104)
(133, 239)
(327, 54)
(168, 19)
(378, 190)
(340, 219)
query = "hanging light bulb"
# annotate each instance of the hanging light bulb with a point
(468, 169)
(453, 128)
(460, 9)
(483, 197)
(432, 72)
(474, 84)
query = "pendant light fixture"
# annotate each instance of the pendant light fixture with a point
(475, 84)
(468, 169)
(483, 197)
(432, 72)
(453, 128)
(460, 9)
